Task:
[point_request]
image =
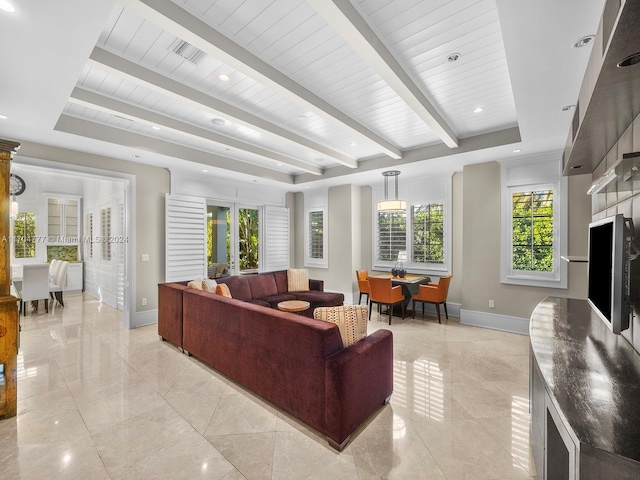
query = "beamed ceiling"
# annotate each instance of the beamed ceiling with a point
(297, 91)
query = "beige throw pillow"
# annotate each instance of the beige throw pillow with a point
(197, 284)
(209, 285)
(298, 280)
(351, 321)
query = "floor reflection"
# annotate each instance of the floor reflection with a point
(419, 387)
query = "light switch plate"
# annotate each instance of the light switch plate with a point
(145, 257)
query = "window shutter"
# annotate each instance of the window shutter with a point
(316, 235)
(276, 245)
(185, 237)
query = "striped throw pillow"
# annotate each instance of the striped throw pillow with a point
(298, 279)
(351, 321)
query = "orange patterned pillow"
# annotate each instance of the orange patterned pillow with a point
(223, 289)
(351, 320)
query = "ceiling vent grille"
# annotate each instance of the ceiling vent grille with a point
(186, 51)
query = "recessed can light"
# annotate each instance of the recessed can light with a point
(584, 41)
(136, 156)
(279, 164)
(568, 108)
(223, 77)
(218, 121)
(453, 57)
(3, 117)
(204, 170)
(155, 127)
(517, 150)
(630, 60)
(478, 110)
(6, 6)
(354, 144)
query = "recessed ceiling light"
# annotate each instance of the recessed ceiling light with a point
(478, 110)
(517, 150)
(584, 41)
(3, 117)
(6, 6)
(223, 77)
(568, 108)
(136, 156)
(630, 60)
(218, 121)
(453, 57)
(354, 144)
(319, 159)
(302, 117)
(155, 127)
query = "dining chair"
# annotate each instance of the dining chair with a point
(363, 285)
(35, 286)
(53, 269)
(382, 292)
(57, 286)
(435, 293)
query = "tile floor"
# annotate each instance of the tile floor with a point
(97, 401)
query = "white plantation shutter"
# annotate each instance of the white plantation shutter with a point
(276, 236)
(185, 234)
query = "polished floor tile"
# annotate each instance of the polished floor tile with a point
(96, 400)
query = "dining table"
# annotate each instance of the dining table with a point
(410, 284)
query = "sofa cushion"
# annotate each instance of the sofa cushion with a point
(222, 289)
(298, 279)
(274, 300)
(257, 301)
(351, 320)
(262, 285)
(321, 299)
(281, 281)
(238, 286)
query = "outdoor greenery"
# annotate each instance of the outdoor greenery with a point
(392, 235)
(248, 233)
(24, 235)
(316, 226)
(532, 224)
(428, 233)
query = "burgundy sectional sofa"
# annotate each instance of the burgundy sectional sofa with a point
(297, 363)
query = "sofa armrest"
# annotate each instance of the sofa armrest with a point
(358, 379)
(316, 285)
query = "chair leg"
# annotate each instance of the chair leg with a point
(360, 298)
(390, 307)
(370, 312)
(438, 310)
(23, 304)
(414, 310)
(423, 309)
(46, 305)
(445, 311)
(403, 312)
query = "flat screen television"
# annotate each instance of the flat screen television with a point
(609, 256)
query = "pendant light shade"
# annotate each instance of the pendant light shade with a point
(395, 205)
(13, 214)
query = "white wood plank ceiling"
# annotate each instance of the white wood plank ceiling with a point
(310, 86)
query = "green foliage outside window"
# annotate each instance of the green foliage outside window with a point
(532, 231)
(428, 233)
(316, 238)
(248, 238)
(24, 234)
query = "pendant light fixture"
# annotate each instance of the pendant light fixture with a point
(395, 205)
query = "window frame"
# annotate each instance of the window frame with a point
(524, 181)
(322, 262)
(418, 191)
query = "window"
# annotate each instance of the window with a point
(534, 225)
(532, 231)
(105, 241)
(428, 233)
(316, 238)
(392, 235)
(88, 230)
(24, 234)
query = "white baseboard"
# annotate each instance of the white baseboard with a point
(140, 319)
(494, 321)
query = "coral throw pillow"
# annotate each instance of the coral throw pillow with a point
(298, 279)
(222, 289)
(351, 321)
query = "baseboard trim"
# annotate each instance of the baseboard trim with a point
(141, 319)
(494, 321)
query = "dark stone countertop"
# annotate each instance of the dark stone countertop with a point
(593, 375)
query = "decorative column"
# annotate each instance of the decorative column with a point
(8, 303)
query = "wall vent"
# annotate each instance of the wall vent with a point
(186, 51)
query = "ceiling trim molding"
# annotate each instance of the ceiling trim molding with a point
(105, 133)
(185, 26)
(507, 136)
(123, 68)
(348, 22)
(112, 106)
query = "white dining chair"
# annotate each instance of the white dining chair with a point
(57, 286)
(35, 285)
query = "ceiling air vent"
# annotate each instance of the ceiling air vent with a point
(186, 51)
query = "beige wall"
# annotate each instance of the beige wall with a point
(151, 185)
(481, 250)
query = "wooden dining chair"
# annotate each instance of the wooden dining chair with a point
(363, 285)
(383, 293)
(435, 293)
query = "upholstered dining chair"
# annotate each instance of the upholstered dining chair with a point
(363, 285)
(57, 286)
(435, 293)
(383, 293)
(53, 269)
(35, 285)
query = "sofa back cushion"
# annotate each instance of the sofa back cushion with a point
(262, 285)
(238, 286)
(281, 281)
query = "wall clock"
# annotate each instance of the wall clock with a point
(17, 185)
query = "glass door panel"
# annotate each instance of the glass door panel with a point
(219, 241)
(248, 240)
